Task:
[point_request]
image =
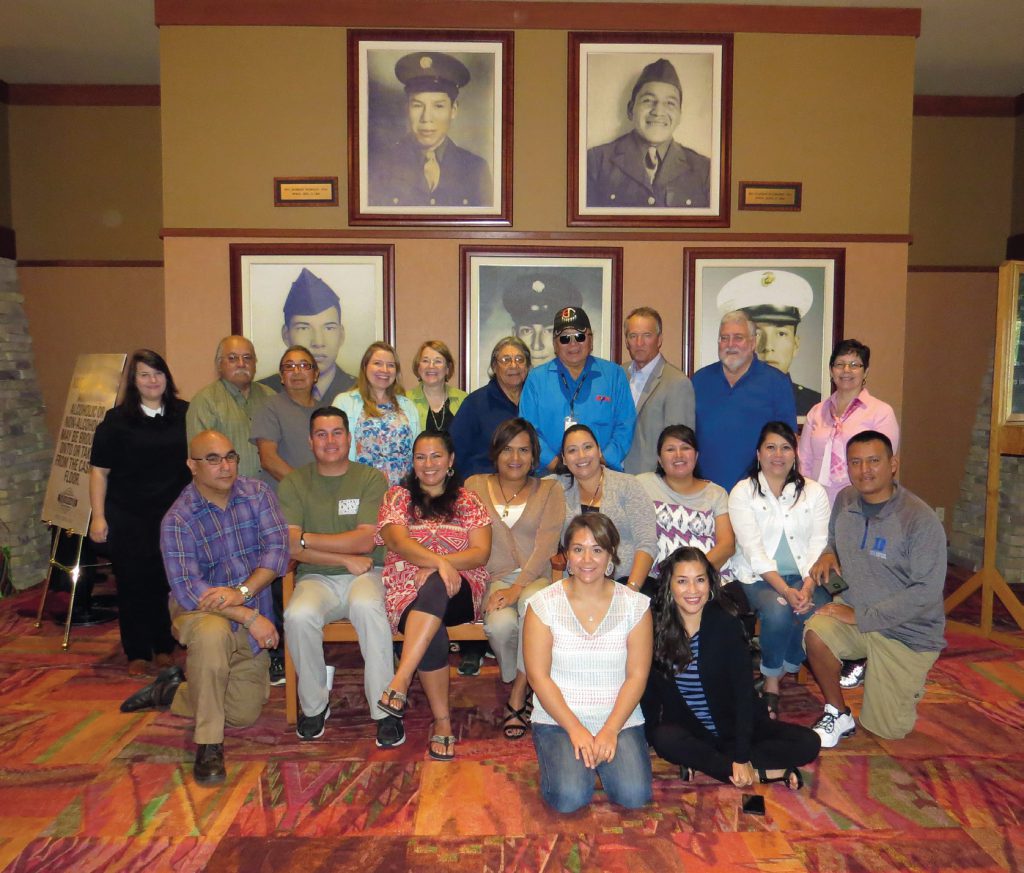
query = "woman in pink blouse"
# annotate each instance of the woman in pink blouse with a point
(438, 537)
(850, 410)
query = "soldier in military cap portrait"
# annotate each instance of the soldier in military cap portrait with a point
(776, 301)
(425, 167)
(647, 166)
(312, 318)
(532, 299)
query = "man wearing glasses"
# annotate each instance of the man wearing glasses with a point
(577, 388)
(229, 404)
(223, 541)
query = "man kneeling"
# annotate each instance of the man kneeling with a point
(331, 508)
(892, 551)
(223, 542)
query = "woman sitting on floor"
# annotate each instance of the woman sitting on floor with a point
(700, 707)
(526, 519)
(438, 538)
(587, 645)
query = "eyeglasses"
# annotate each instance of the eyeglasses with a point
(566, 338)
(848, 365)
(505, 360)
(215, 460)
(232, 358)
(291, 366)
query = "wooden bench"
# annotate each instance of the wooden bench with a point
(343, 632)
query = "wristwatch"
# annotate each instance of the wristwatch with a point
(247, 595)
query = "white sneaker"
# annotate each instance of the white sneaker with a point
(833, 726)
(853, 674)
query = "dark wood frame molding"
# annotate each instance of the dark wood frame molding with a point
(467, 253)
(927, 105)
(90, 263)
(83, 95)
(8, 248)
(951, 268)
(473, 14)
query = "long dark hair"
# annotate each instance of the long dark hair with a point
(777, 428)
(507, 431)
(671, 641)
(426, 505)
(132, 401)
(682, 432)
(563, 470)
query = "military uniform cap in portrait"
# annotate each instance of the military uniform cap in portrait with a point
(309, 295)
(534, 297)
(430, 127)
(776, 296)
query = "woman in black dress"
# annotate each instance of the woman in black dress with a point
(138, 471)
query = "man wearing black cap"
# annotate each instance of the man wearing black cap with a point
(577, 388)
(532, 299)
(425, 168)
(647, 167)
(312, 318)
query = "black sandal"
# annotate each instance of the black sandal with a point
(515, 731)
(686, 773)
(387, 702)
(771, 700)
(786, 777)
(445, 741)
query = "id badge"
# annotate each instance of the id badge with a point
(569, 422)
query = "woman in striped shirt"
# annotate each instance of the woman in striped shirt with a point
(700, 708)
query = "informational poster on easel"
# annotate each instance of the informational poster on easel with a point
(93, 391)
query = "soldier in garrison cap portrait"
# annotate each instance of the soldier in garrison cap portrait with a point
(648, 166)
(312, 318)
(532, 299)
(425, 167)
(776, 301)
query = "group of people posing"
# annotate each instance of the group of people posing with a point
(612, 527)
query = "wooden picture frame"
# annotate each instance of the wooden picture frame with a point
(502, 285)
(687, 183)
(392, 128)
(361, 276)
(785, 275)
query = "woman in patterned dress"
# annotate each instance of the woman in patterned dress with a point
(438, 537)
(382, 420)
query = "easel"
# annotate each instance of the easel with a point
(74, 572)
(1005, 438)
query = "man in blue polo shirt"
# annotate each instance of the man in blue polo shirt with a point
(577, 388)
(735, 398)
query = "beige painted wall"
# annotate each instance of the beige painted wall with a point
(85, 182)
(242, 105)
(950, 336)
(78, 310)
(5, 169)
(961, 190)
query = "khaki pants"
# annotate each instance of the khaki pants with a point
(227, 684)
(504, 627)
(894, 682)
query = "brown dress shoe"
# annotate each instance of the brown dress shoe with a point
(163, 660)
(209, 766)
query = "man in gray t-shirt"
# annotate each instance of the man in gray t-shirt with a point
(891, 551)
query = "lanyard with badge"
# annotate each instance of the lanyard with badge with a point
(570, 419)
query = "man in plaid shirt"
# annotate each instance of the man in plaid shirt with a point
(223, 542)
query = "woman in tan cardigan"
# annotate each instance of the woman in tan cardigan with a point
(526, 520)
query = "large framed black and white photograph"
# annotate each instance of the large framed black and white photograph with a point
(518, 290)
(333, 299)
(649, 129)
(794, 297)
(430, 127)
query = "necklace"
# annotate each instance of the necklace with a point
(597, 491)
(508, 500)
(439, 425)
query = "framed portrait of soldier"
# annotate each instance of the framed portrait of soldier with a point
(333, 299)
(518, 291)
(793, 296)
(430, 127)
(649, 129)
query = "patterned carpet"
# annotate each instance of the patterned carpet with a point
(86, 788)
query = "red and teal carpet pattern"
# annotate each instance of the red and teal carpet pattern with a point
(84, 787)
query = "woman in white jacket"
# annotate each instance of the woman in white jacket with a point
(781, 524)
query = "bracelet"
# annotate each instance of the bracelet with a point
(248, 622)
(302, 540)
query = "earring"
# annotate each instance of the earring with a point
(610, 570)
(568, 571)
(450, 473)
(711, 596)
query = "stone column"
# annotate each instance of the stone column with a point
(25, 448)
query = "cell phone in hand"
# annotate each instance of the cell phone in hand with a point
(836, 584)
(753, 804)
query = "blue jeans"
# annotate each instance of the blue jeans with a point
(782, 630)
(567, 784)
